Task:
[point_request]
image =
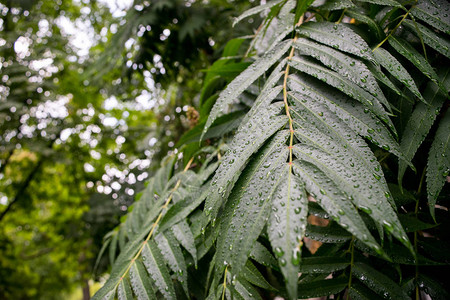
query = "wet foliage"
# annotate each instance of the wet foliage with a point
(297, 181)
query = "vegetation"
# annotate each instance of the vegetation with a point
(308, 159)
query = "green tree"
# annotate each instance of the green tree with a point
(308, 145)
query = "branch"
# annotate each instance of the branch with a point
(23, 188)
(2, 167)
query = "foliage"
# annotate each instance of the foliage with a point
(78, 138)
(315, 164)
(300, 152)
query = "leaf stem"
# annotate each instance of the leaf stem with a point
(224, 283)
(416, 212)
(393, 30)
(341, 17)
(286, 106)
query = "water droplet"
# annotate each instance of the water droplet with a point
(279, 252)
(388, 225)
(365, 209)
(296, 256)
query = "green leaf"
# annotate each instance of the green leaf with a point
(183, 234)
(232, 47)
(335, 5)
(333, 147)
(364, 18)
(221, 126)
(261, 255)
(338, 36)
(438, 161)
(182, 209)
(411, 54)
(110, 296)
(379, 75)
(393, 66)
(229, 70)
(400, 255)
(113, 247)
(247, 209)
(346, 66)
(243, 81)
(329, 234)
(119, 269)
(106, 241)
(438, 42)
(334, 202)
(352, 113)
(140, 282)
(163, 174)
(344, 85)
(411, 223)
(323, 264)
(173, 256)
(436, 13)
(301, 8)
(206, 240)
(275, 31)
(156, 267)
(264, 99)
(246, 141)
(378, 282)
(383, 2)
(421, 120)
(433, 288)
(241, 289)
(251, 274)
(124, 290)
(436, 249)
(401, 196)
(314, 208)
(255, 10)
(361, 292)
(287, 225)
(322, 287)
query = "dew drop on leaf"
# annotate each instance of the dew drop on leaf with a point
(279, 252)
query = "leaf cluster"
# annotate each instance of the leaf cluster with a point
(292, 181)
